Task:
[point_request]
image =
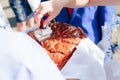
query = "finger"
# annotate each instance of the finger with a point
(37, 18)
(49, 19)
(39, 15)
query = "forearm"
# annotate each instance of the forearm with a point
(103, 2)
(76, 3)
(71, 3)
(82, 3)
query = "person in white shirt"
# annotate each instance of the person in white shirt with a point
(25, 60)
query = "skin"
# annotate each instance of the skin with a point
(53, 7)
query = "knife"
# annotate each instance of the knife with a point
(40, 34)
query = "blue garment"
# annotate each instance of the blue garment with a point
(90, 19)
(21, 9)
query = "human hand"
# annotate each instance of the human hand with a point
(48, 8)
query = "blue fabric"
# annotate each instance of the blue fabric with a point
(90, 19)
(21, 9)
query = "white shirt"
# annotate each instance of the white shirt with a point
(21, 58)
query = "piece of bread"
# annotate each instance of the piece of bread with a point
(62, 43)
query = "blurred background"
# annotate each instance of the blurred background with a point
(11, 17)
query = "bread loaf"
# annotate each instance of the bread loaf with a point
(62, 43)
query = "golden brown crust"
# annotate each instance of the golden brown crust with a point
(62, 43)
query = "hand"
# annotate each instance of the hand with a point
(49, 8)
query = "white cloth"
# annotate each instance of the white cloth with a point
(112, 68)
(21, 58)
(110, 46)
(86, 63)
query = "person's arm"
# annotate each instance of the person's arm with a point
(53, 7)
(82, 3)
(76, 3)
(103, 2)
